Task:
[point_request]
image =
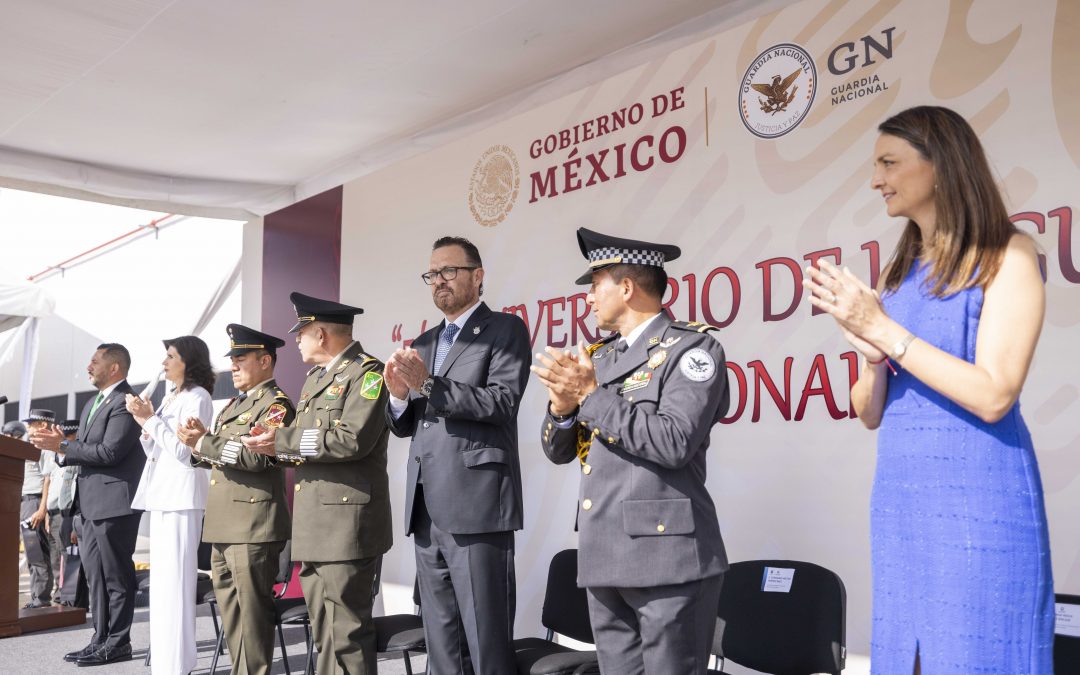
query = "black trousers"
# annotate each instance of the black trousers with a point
(106, 548)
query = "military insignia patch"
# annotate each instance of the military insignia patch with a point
(697, 365)
(343, 364)
(244, 419)
(638, 380)
(371, 387)
(670, 341)
(654, 341)
(275, 416)
(657, 358)
(333, 393)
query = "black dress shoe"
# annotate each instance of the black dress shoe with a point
(106, 655)
(72, 657)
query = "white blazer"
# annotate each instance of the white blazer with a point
(169, 482)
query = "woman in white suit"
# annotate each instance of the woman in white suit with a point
(175, 495)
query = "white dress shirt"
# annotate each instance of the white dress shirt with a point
(169, 482)
(398, 405)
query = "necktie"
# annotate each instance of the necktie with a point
(93, 408)
(620, 348)
(446, 341)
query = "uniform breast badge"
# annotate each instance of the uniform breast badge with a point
(334, 393)
(657, 359)
(638, 380)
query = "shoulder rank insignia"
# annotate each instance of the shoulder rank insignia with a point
(597, 345)
(275, 416)
(334, 392)
(371, 387)
(654, 341)
(657, 358)
(695, 326)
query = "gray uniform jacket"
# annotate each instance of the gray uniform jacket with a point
(645, 516)
(465, 440)
(246, 502)
(111, 457)
(341, 503)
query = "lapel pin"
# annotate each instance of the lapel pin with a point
(476, 330)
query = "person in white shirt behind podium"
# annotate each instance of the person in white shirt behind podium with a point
(175, 494)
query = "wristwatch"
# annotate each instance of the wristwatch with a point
(64, 445)
(425, 387)
(900, 348)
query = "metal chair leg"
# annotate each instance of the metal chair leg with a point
(408, 662)
(281, 642)
(218, 651)
(146, 662)
(217, 628)
(309, 669)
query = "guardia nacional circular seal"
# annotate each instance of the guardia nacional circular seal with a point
(777, 90)
(494, 185)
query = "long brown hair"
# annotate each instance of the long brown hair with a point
(973, 227)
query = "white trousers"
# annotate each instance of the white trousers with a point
(174, 545)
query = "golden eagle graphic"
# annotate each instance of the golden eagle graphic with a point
(777, 92)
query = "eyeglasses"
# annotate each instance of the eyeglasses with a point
(447, 273)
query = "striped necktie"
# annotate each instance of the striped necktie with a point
(446, 341)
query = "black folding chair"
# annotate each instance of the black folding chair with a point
(793, 632)
(1067, 647)
(566, 612)
(401, 633)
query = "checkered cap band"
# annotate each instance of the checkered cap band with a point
(626, 256)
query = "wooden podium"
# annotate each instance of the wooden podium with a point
(14, 621)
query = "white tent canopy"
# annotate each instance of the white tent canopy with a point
(21, 309)
(240, 108)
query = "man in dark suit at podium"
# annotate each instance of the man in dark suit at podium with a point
(111, 460)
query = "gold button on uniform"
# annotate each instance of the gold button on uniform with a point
(251, 499)
(318, 422)
(587, 469)
(610, 439)
(344, 499)
(296, 488)
(660, 528)
(586, 504)
(213, 481)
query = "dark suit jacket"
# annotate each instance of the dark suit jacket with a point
(465, 436)
(111, 457)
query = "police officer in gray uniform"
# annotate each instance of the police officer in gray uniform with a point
(635, 409)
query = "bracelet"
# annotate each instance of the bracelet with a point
(885, 360)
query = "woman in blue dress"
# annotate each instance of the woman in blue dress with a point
(960, 551)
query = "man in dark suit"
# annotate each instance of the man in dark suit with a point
(456, 392)
(110, 460)
(636, 409)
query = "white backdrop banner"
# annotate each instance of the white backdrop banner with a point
(752, 151)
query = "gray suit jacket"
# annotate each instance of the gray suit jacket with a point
(111, 457)
(465, 436)
(644, 515)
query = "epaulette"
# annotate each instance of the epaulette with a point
(597, 345)
(280, 394)
(367, 359)
(695, 326)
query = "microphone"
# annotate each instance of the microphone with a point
(3, 400)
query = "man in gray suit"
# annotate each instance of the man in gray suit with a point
(456, 392)
(636, 409)
(111, 460)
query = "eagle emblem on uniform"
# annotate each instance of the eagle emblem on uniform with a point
(777, 93)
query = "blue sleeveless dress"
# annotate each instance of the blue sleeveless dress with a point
(961, 556)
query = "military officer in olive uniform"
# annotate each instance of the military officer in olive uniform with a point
(341, 508)
(635, 410)
(247, 515)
